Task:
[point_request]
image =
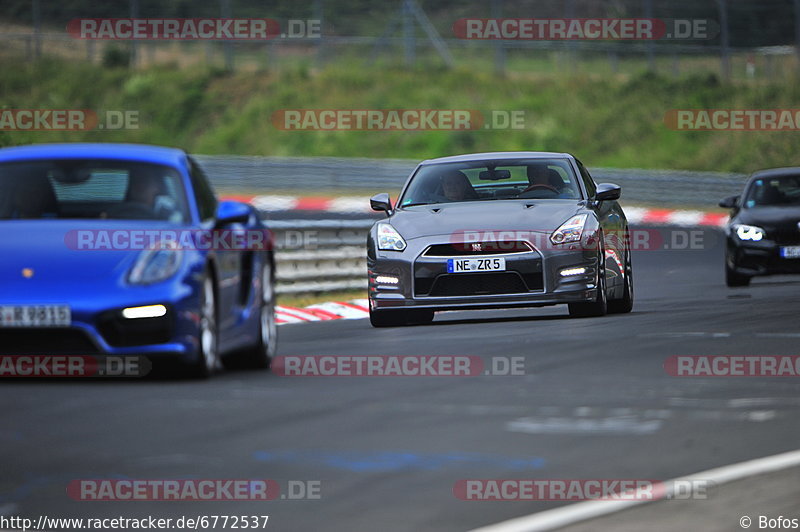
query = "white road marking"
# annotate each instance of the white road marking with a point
(583, 511)
(685, 335)
(565, 425)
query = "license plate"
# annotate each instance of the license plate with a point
(497, 264)
(35, 316)
(790, 252)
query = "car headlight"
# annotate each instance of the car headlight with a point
(389, 239)
(570, 231)
(749, 232)
(156, 264)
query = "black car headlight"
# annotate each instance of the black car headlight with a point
(156, 264)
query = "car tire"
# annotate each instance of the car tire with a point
(208, 361)
(262, 354)
(598, 307)
(733, 279)
(625, 304)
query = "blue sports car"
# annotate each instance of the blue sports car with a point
(124, 250)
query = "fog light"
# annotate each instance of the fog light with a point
(149, 311)
(386, 279)
(567, 272)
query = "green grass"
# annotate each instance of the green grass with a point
(609, 121)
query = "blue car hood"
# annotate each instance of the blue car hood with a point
(47, 247)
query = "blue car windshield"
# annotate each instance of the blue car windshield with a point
(91, 189)
(492, 180)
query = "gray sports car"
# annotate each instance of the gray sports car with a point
(497, 230)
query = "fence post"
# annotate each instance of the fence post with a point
(651, 57)
(722, 5)
(499, 45)
(797, 28)
(133, 44)
(37, 28)
(318, 15)
(569, 11)
(409, 35)
(227, 45)
(613, 59)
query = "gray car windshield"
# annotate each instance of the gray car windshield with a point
(774, 191)
(492, 180)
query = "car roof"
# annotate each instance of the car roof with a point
(489, 156)
(776, 172)
(97, 150)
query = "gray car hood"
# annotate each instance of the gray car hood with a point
(492, 215)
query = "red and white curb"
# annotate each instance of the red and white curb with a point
(357, 204)
(681, 218)
(348, 310)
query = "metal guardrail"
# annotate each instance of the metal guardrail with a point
(326, 255)
(254, 175)
(320, 255)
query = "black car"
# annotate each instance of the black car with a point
(763, 235)
(495, 230)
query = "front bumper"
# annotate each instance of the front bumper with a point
(531, 279)
(759, 258)
(98, 328)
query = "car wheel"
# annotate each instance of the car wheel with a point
(208, 360)
(264, 351)
(598, 307)
(734, 279)
(624, 305)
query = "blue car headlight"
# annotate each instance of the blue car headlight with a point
(156, 264)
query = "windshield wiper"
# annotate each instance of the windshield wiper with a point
(420, 203)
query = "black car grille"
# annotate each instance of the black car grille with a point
(37, 341)
(785, 237)
(458, 249)
(478, 284)
(121, 332)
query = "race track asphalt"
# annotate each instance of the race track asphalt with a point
(595, 402)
